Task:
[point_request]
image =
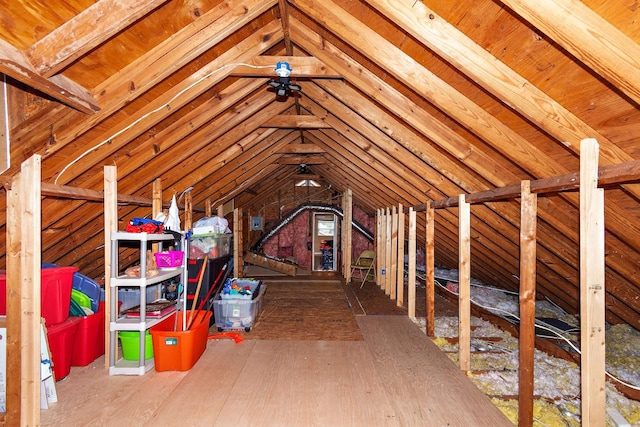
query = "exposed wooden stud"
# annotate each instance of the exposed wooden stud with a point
(411, 297)
(393, 270)
(347, 233)
(238, 242)
(29, 284)
(14, 318)
(400, 269)
(378, 247)
(527, 296)
(110, 226)
(188, 211)
(430, 267)
(592, 288)
(464, 284)
(387, 252)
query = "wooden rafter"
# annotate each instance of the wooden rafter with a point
(589, 37)
(15, 64)
(86, 31)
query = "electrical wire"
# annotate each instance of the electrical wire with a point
(141, 118)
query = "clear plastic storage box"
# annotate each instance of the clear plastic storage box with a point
(238, 313)
(215, 245)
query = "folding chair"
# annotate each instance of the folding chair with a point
(364, 266)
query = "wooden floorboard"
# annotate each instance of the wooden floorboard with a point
(434, 391)
(354, 370)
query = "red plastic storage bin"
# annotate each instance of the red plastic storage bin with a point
(61, 337)
(88, 344)
(179, 350)
(55, 293)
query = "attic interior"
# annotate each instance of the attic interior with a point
(404, 103)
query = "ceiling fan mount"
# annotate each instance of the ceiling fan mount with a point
(282, 84)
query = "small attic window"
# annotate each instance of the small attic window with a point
(307, 183)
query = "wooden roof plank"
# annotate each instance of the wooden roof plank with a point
(589, 37)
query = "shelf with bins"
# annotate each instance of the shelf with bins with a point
(121, 366)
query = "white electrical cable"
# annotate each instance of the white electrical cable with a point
(545, 328)
(166, 105)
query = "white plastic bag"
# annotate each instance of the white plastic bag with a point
(173, 220)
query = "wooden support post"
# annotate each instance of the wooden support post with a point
(188, 211)
(430, 266)
(347, 234)
(237, 242)
(411, 298)
(393, 270)
(378, 248)
(29, 284)
(464, 282)
(526, 343)
(400, 275)
(382, 243)
(156, 206)
(14, 317)
(387, 251)
(207, 207)
(110, 225)
(592, 288)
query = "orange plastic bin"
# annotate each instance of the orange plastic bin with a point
(179, 350)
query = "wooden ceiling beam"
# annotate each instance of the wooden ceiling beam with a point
(587, 36)
(303, 121)
(301, 66)
(16, 65)
(86, 31)
(301, 149)
(306, 159)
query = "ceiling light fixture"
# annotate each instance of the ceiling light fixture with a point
(282, 84)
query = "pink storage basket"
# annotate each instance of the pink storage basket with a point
(169, 259)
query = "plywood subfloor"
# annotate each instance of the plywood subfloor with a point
(305, 310)
(388, 374)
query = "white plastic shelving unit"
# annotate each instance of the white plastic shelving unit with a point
(120, 366)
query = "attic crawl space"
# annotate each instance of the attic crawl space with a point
(504, 134)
